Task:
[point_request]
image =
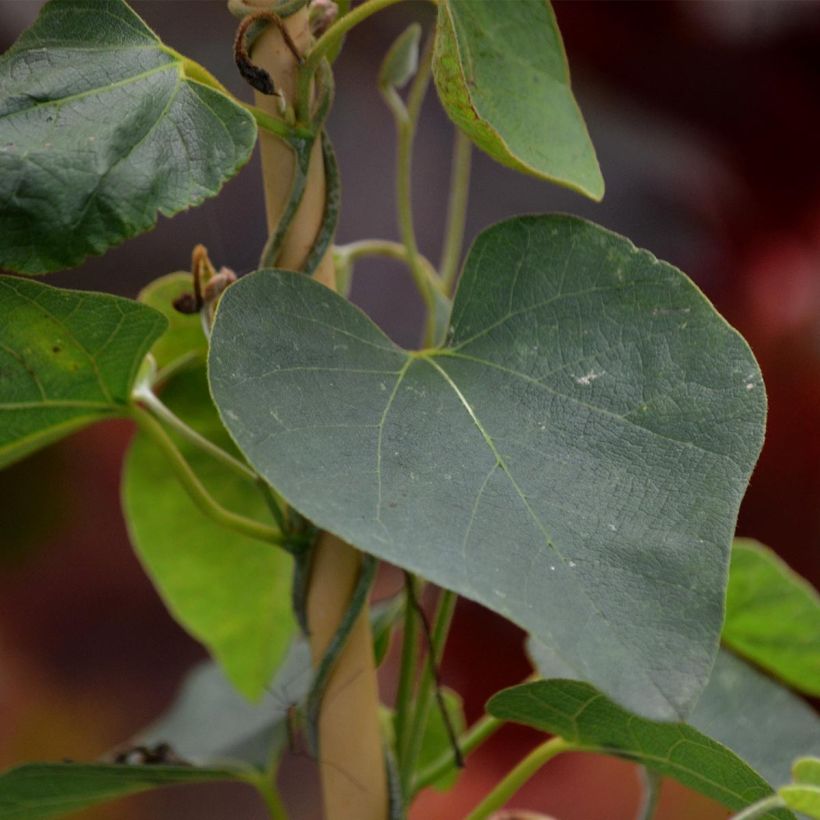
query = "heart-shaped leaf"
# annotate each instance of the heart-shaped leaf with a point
(102, 127)
(773, 616)
(573, 458)
(67, 358)
(41, 790)
(582, 715)
(229, 591)
(502, 76)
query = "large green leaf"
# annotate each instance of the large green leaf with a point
(184, 342)
(773, 616)
(573, 458)
(102, 128)
(67, 358)
(229, 591)
(502, 76)
(40, 790)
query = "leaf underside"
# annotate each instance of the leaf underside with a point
(502, 77)
(67, 359)
(570, 458)
(101, 131)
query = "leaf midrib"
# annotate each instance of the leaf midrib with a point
(133, 78)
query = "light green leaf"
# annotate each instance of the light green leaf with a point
(210, 724)
(805, 799)
(571, 459)
(67, 359)
(229, 591)
(436, 740)
(502, 76)
(40, 790)
(803, 794)
(773, 616)
(183, 343)
(102, 128)
(402, 59)
(806, 770)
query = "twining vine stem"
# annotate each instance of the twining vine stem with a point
(147, 397)
(426, 694)
(519, 775)
(761, 808)
(407, 672)
(479, 732)
(326, 43)
(196, 489)
(269, 794)
(406, 118)
(354, 251)
(651, 782)
(456, 209)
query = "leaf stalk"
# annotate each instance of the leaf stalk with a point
(519, 775)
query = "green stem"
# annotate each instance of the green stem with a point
(426, 694)
(161, 411)
(480, 731)
(651, 782)
(270, 795)
(516, 778)
(406, 120)
(273, 124)
(456, 209)
(354, 251)
(328, 41)
(195, 488)
(407, 673)
(761, 808)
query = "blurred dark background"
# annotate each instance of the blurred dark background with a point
(706, 118)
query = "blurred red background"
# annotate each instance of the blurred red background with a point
(705, 116)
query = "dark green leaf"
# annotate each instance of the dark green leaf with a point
(402, 59)
(436, 740)
(41, 790)
(580, 714)
(67, 359)
(184, 342)
(209, 723)
(502, 76)
(756, 718)
(229, 591)
(102, 128)
(773, 616)
(571, 459)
